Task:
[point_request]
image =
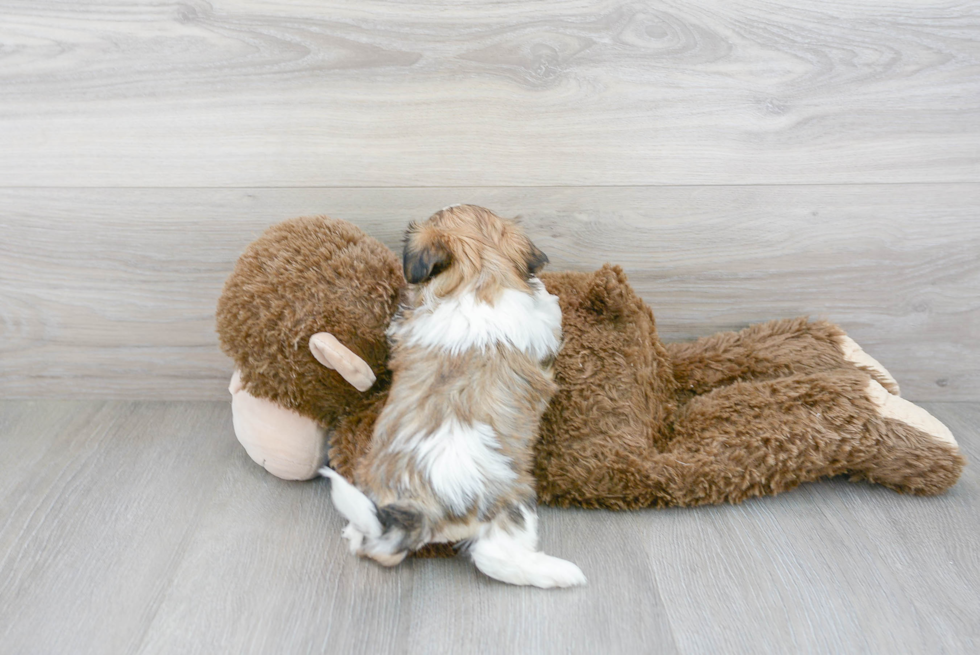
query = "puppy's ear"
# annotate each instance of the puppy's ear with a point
(536, 259)
(424, 256)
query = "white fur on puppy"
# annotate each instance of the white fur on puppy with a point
(459, 461)
(512, 556)
(528, 322)
(352, 504)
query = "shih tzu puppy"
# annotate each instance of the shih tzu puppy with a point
(452, 451)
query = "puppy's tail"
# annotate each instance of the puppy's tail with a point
(353, 504)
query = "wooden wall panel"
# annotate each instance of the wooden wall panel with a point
(517, 93)
(111, 292)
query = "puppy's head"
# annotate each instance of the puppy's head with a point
(469, 247)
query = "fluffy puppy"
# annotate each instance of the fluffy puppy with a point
(452, 451)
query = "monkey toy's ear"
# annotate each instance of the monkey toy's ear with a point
(335, 355)
(609, 293)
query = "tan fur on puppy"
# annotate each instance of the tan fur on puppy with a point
(452, 452)
(470, 245)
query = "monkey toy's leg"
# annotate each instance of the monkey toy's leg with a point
(760, 438)
(767, 351)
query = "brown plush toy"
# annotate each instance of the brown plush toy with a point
(635, 423)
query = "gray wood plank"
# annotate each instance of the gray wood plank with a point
(147, 529)
(28, 434)
(374, 93)
(831, 567)
(111, 292)
(267, 572)
(621, 610)
(97, 524)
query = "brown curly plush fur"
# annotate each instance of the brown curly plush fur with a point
(734, 415)
(634, 424)
(304, 276)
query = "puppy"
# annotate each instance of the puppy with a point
(452, 451)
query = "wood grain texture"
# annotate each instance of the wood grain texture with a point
(144, 528)
(835, 567)
(111, 292)
(100, 517)
(267, 572)
(378, 93)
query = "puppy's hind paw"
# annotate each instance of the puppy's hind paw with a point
(554, 572)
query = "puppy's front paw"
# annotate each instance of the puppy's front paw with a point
(355, 540)
(553, 572)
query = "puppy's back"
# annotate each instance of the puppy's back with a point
(462, 416)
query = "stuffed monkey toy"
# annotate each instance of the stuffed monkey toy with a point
(635, 422)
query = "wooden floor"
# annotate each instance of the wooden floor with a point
(142, 527)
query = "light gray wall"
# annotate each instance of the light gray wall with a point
(743, 161)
